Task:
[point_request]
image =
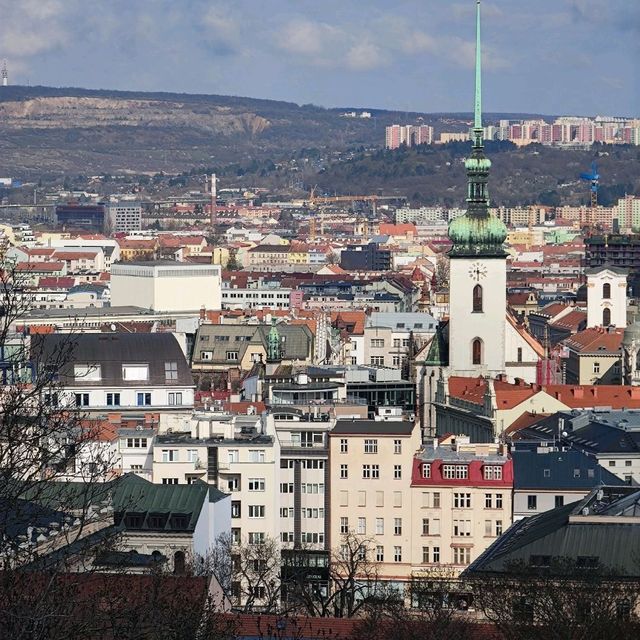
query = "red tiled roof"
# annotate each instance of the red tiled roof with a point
(469, 389)
(52, 282)
(596, 340)
(40, 266)
(553, 308)
(529, 339)
(388, 229)
(573, 320)
(75, 255)
(510, 395)
(525, 420)
(343, 319)
(602, 395)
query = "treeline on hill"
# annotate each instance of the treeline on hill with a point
(528, 175)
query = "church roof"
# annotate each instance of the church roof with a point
(438, 355)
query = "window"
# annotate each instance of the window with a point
(286, 536)
(397, 498)
(498, 527)
(426, 528)
(233, 455)
(532, 502)
(256, 511)
(87, 372)
(113, 399)
(82, 399)
(596, 367)
(498, 501)
(192, 455)
(436, 554)
(169, 455)
(256, 484)
(169, 480)
(397, 526)
(135, 372)
(206, 355)
(462, 527)
(170, 371)
(436, 500)
(379, 553)
(375, 471)
(175, 398)
(256, 537)
(492, 472)
(136, 443)
(377, 361)
(476, 351)
(377, 343)
(627, 463)
(366, 471)
(606, 290)
(519, 354)
(606, 317)
(143, 399)
(397, 446)
(425, 555)
(426, 470)
(397, 472)
(559, 501)
(286, 512)
(487, 527)
(477, 299)
(256, 455)
(344, 445)
(612, 463)
(462, 500)
(379, 526)
(233, 484)
(344, 525)
(286, 487)
(488, 501)
(362, 526)
(236, 510)
(397, 554)
(454, 471)
(461, 555)
(344, 471)
(371, 446)
(232, 355)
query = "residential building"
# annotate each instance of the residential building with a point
(123, 372)
(370, 469)
(368, 257)
(461, 495)
(594, 356)
(124, 217)
(545, 477)
(90, 217)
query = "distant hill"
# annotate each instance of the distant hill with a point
(47, 130)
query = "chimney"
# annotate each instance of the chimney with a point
(578, 392)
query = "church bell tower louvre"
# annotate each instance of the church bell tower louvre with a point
(478, 279)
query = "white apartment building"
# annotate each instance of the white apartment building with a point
(256, 297)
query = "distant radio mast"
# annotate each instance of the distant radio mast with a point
(5, 74)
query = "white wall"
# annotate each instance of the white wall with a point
(596, 303)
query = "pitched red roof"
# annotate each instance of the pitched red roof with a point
(52, 282)
(596, 340)
(572, 321)
(40, 266)
(603, 395)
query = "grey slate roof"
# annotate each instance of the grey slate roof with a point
(373, 427)
(567, 470)
(111, 351)
(573, 531)
(448, 454)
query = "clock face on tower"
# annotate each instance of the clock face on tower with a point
(477, 271)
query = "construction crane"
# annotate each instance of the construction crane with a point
(593, 178)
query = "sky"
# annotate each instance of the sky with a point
(553, 57)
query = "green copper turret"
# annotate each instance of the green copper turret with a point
(477, 233)
(273, 343)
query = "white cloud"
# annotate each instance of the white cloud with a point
(307, 38)
(365, 56)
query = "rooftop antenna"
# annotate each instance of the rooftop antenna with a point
(5, 74)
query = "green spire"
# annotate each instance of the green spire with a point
(477, 121)
(477, 233)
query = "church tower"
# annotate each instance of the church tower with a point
(478, 274)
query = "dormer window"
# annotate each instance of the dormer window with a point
(492, 472)
(426, 470)
(87, 372)
(135, 372)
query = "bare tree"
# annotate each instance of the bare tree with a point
(248, 572)
(561, 601)
(442, 272)
(354, 583)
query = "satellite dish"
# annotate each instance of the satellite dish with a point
(113, 327)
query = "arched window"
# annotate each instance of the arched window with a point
(179, 564)
(606, 290)
(606, 317)
(476, 351)
(477, 299)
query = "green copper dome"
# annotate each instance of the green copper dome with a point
(474, 236)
